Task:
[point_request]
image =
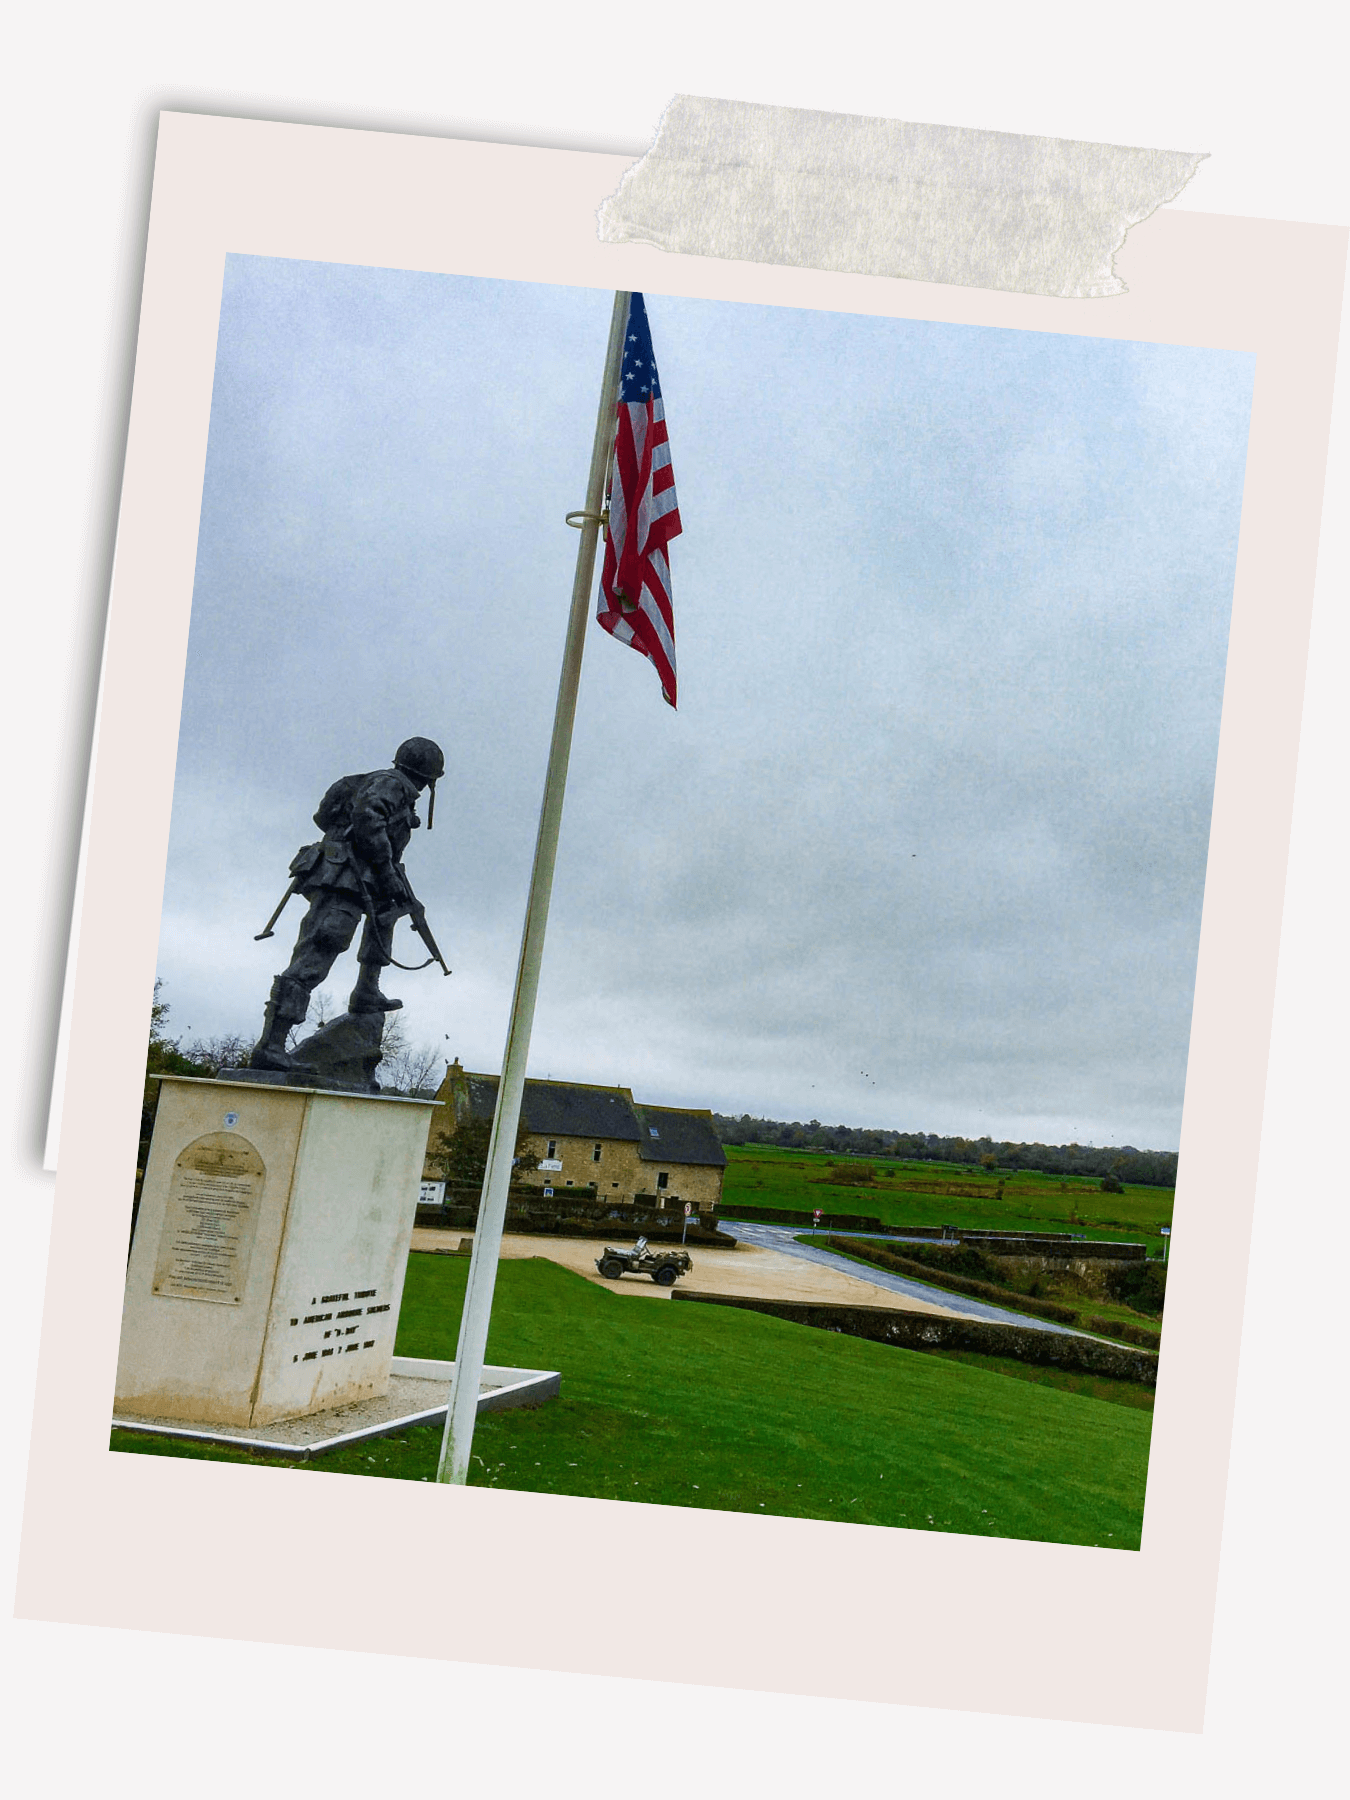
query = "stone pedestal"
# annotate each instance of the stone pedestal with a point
(271, 1245)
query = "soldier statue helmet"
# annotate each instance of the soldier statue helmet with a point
(354, 873)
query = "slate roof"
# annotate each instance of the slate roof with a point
(574, 1109)
(683, 1136)
(562, 1109)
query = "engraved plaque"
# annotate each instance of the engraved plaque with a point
(212, 1214)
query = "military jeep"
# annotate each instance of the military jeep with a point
(664, 1266)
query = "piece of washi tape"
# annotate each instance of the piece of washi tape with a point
(820, 190)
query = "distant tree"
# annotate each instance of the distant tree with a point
(231, 1051)
(405, 1067)
(1110, 1185)
(322, 1009)
(1140, 1168)
(460, 1156)
(163, 1056)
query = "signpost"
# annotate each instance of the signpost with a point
(817, 1217)
(1165, 1233)
(687, 1210)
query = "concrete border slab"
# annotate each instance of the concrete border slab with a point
(502, 1388)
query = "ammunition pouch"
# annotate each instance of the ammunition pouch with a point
(306, 860)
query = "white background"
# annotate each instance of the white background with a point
(1258, 88)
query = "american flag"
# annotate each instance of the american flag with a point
(644, 515)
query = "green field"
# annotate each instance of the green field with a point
(759, 1175)
(688, 1405)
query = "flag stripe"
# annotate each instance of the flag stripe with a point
(634, 603)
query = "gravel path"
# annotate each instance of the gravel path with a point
(752, 1270)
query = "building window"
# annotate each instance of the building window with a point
(595, 1154)
(662, 1180)
(553, 1146)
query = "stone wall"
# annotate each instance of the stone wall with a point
(695, 1182)
(621, 1174)
(576, 1213)
(1051, 1250)
(618, 1173)
(1090, 1274)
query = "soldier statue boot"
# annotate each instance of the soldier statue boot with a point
(366, 996)
(287, 1005)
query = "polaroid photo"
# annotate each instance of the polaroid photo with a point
(909, 959)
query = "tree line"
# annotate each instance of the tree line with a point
(1146, 1168)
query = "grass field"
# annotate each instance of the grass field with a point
(727, 1409)
(759, 1175)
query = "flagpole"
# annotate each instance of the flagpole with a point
(457, 1442)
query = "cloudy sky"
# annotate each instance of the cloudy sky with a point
(924, 845)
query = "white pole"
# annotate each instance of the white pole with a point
(457, 1443)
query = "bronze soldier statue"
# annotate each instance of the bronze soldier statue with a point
(355, 873)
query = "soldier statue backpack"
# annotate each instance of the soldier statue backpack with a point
(334, 814)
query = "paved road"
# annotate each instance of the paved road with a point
(784, 1239)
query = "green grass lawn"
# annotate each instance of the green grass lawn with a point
(1071, 1381)
(732, 1410)
(759, 1175)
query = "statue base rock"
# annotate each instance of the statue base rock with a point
(343, 1055)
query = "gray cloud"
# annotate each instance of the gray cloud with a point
(924, 845)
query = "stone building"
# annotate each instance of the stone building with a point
(595, 1141)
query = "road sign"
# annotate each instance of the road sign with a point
(687, 1209)
(1164, 1231)
(817, 1215)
